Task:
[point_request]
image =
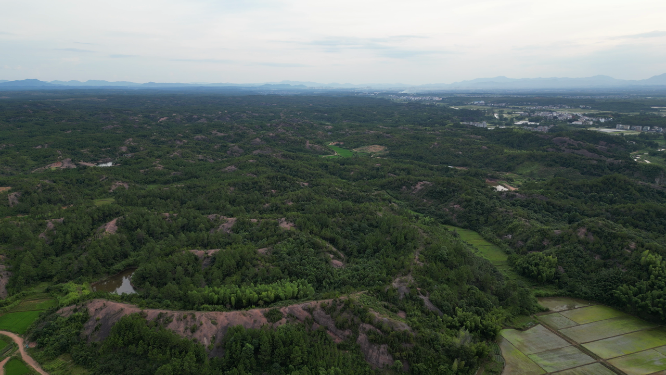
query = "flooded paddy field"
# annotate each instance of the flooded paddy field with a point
(582, 338)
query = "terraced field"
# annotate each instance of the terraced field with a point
(580, 338)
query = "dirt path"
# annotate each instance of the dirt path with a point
(2, 365)
(26, 358)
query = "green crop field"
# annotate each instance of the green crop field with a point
(103, 201)
(18, 322)
(341, 151)
(557, 321)
(592, 314)
(35, 305)
(646, 362)
(629, 343)
(562, 303)
(605, 329)
(561, 359)
(534, 340)
(516, 362)
(591, 369)
(16, 367)
(486, 250)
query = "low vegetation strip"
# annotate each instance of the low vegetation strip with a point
(562, 303)
(486, 250)
(339, 151)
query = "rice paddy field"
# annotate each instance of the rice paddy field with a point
(580, 338)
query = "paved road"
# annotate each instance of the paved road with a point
(26, 358)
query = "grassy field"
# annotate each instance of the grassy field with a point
(516, 362)
(592, 314)
(605, 329)
(534, 340)
(16, 367)
(103, 201)
(557, 321)
(341, 151)
(487, 250)
(18, 322)
(63, 365)
(628, 344)
(561, 359)
(647, 362)
(35, 305)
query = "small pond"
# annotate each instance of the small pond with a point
(118, 283)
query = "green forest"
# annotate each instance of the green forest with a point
(305, 234)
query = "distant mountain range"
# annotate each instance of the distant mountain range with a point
(497, 83)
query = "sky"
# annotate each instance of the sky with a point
(342, 41)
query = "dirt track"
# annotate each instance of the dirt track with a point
(26, 358)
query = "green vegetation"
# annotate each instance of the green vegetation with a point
(341, 151)
(605, 328)
(103, 201)
(15, 366)
(18, 322)
(225, 203)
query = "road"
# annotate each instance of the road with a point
(26, 358)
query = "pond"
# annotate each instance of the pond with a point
(118, 283)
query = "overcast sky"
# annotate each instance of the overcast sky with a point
(356, 41)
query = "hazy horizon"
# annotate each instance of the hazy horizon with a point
(386, 42)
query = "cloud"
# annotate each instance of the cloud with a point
(90, 44)
(119, 56)
(281, 65)
(5, 33)
(216, 61)
(75, 50)
(651, 34)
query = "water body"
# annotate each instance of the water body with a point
(118, 283)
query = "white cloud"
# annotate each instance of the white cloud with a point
(421, 41)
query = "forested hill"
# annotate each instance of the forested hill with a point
(334, 204)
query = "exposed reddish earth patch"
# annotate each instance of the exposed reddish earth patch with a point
(371, 149)
(402, 314)
(263, 250)
(284, 224)
(206, 256)
(337, 264)
(4, 188)
(230, 168)
(14, 198)
(86, 164)
(226, 226)
(419, 186)
(118, 184)
(430, 306)
(4, 279)
(109, 228)
(214, 325)
(50, 227)
(401, 284)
